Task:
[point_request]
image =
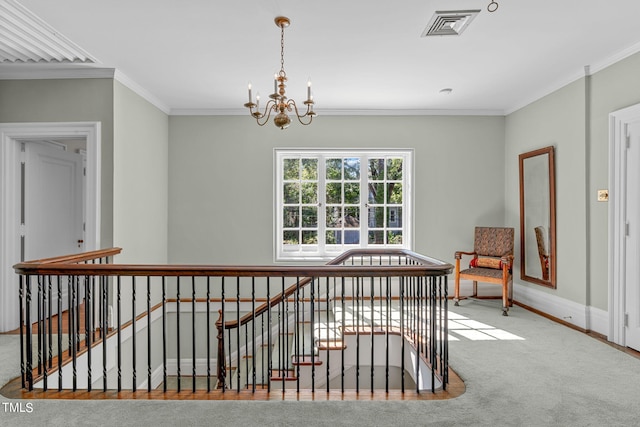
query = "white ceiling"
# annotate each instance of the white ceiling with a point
(363, 56)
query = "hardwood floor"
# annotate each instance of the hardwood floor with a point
(455, 388)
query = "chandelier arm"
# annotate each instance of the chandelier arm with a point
(308, 113)
(269, 107)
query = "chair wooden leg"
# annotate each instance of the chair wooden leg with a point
(456, 288)
(505, 298)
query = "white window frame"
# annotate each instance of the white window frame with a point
(322, 253)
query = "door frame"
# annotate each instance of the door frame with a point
(618, 133)
(10, 134)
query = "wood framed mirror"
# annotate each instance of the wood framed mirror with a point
(538, 217)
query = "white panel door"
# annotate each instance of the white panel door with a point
(632, 274)
(53, 202)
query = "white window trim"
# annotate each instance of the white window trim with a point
(408, 205)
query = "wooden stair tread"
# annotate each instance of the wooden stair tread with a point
(331, 344)
(305, 360)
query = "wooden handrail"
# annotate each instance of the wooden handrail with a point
(235, 271)
(80, 257)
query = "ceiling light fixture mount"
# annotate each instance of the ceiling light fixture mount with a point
(278, 101)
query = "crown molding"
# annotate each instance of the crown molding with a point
(344, 112)
(142, 92)
(587, 71)
(616, 57)
(555, 86)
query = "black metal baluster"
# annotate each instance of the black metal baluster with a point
(178, 361)
(208, 334)
(269, 341)
(330, 337)
(343, 335)
(253, 333)
(313, 336)
(103, 329)
(149, 334)
(164, 334)
(298, 341)
(285, 338)
(358, 315)
(372, 323)
(238, 341)
(245, 385)
(29, 335)
(74, 331)
(444, 313)
(262, 346)
(87, 327)
(193, 333)
(119, 332)
(419, 333)
(69, 317)
(402, 331)
(433, 343)
(59, 336)
(389, 325)
(50, 321)
(42, 326)
(22, 330)
(134, 333)
(39, 321)
(223, 380)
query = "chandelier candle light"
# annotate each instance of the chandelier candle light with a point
(278, 101)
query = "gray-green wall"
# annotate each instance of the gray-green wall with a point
(221, 179)
(140, 178)
(575, 119)
(68, 100)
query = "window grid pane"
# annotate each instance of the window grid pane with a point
(323, 195)
(300, 202)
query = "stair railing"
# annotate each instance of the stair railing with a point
(88, 323)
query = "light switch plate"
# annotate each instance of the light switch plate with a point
(603, 195)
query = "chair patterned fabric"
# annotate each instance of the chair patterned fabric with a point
(484, 272)
(493, 241)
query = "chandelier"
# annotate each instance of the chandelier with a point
(278, 102)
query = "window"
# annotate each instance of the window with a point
(330, 201)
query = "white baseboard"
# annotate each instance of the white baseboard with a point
(584, 317)
(598, 320)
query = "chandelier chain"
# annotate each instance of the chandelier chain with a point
(282, 72)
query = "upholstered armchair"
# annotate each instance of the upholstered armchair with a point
(491, 262)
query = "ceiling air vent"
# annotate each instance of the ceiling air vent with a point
(449, 23)
(25, 38)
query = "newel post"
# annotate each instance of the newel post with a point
(221, 359)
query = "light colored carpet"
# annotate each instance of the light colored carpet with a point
(539, 374)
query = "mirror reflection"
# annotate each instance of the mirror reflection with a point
(537, 217)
